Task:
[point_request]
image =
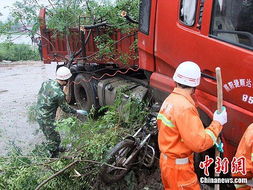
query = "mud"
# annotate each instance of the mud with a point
(19, 85)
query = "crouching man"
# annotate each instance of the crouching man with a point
(50, 97)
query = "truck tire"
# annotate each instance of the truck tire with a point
(118, 154)
(85, 92)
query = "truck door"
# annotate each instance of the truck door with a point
(231, 30)
(212, 33)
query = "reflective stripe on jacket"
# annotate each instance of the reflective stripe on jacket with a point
(181, 131)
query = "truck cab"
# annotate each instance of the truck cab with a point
(212, 33)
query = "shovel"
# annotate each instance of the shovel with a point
(219, 108)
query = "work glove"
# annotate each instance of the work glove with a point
(220, 116)
(82, 112)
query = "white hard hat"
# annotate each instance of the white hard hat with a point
(63, 73)
(187, 73)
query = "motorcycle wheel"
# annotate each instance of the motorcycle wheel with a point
(111, 172)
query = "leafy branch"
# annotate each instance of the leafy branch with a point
(87, 142)
(56, 174)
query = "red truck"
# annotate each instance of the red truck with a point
(212, 33)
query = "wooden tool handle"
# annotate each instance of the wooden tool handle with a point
(219, 108)
(219, 89)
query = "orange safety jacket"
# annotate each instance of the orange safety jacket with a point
(181, 131)
(245, 149)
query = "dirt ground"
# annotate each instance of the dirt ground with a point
(19, 85)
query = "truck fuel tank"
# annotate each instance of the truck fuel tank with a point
(107, 90)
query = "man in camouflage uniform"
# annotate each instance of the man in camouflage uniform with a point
(50, 97)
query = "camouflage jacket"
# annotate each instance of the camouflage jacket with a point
(50, 97)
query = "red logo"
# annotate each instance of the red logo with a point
(222, 165)
(238, 165)
(206, 164)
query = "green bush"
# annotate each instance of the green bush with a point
(17, 52)
(87, 141)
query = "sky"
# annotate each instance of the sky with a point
(3, 10)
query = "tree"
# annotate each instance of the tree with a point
(64, 14)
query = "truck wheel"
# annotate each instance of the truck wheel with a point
(111, 172)
(85, 93)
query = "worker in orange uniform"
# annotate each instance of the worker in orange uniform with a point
(181, 132)
(245, 149)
